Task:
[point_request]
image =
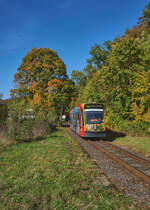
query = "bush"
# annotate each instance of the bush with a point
(4, 140)
(29, 129)
(3, 112)
(114, 121)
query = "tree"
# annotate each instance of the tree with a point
(61, 96)
(78, 77)
(141, 89)
(146, 15)
(124, 81)
(42, 82)
(99, 54)
(118, 75)
(38, 67)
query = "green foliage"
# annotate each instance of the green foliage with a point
(29, 129)
(60, 99)
(43, 84)
(115, 121)
(3, 112)
(26, 124)
(84, 80)
(99, 54)
(125, 81)
(119, 76)
(146, 15)
(78, 77)
(92, 92)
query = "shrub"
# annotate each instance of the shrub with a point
(3, 112)
(114, 121)
(4, 140)
(29, 129)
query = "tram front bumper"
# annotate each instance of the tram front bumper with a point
(95, 134)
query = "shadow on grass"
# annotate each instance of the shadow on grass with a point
(113, 135)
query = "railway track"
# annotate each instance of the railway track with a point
(138, 166)
(128, 172)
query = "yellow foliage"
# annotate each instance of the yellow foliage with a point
(34, 85)
(36, 99)
(147, 116)
(54, 83)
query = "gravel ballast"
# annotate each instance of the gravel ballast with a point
(123, 179)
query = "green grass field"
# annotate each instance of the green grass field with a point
(140, 145)
(54, 173)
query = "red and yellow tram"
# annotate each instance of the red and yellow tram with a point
(88, 120)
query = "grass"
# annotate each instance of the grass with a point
(139, 145)
(54, 173)
(4, 141)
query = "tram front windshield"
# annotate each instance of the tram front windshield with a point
(94, 117)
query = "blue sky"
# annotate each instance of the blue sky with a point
(69, 27)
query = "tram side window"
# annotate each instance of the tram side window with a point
(82, 122)
(78, 117)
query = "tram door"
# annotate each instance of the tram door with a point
(81, 122)
(78, 122)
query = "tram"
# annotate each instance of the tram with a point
(88, 120)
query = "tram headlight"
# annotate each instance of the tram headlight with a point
(104, 127)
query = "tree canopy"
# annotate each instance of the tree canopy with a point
(41, 79)
(118, 75)
(38, 67)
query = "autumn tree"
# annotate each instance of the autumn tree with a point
(78, 77)
(41, 76)
(98, 55)
(143, 24)
(123, 83)
(61, 95)
(146, 15)
(120, 77)
(84, 79)
(38, 67)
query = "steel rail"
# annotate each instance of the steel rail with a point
(122, 163)
(113, 180)
(134, 156)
